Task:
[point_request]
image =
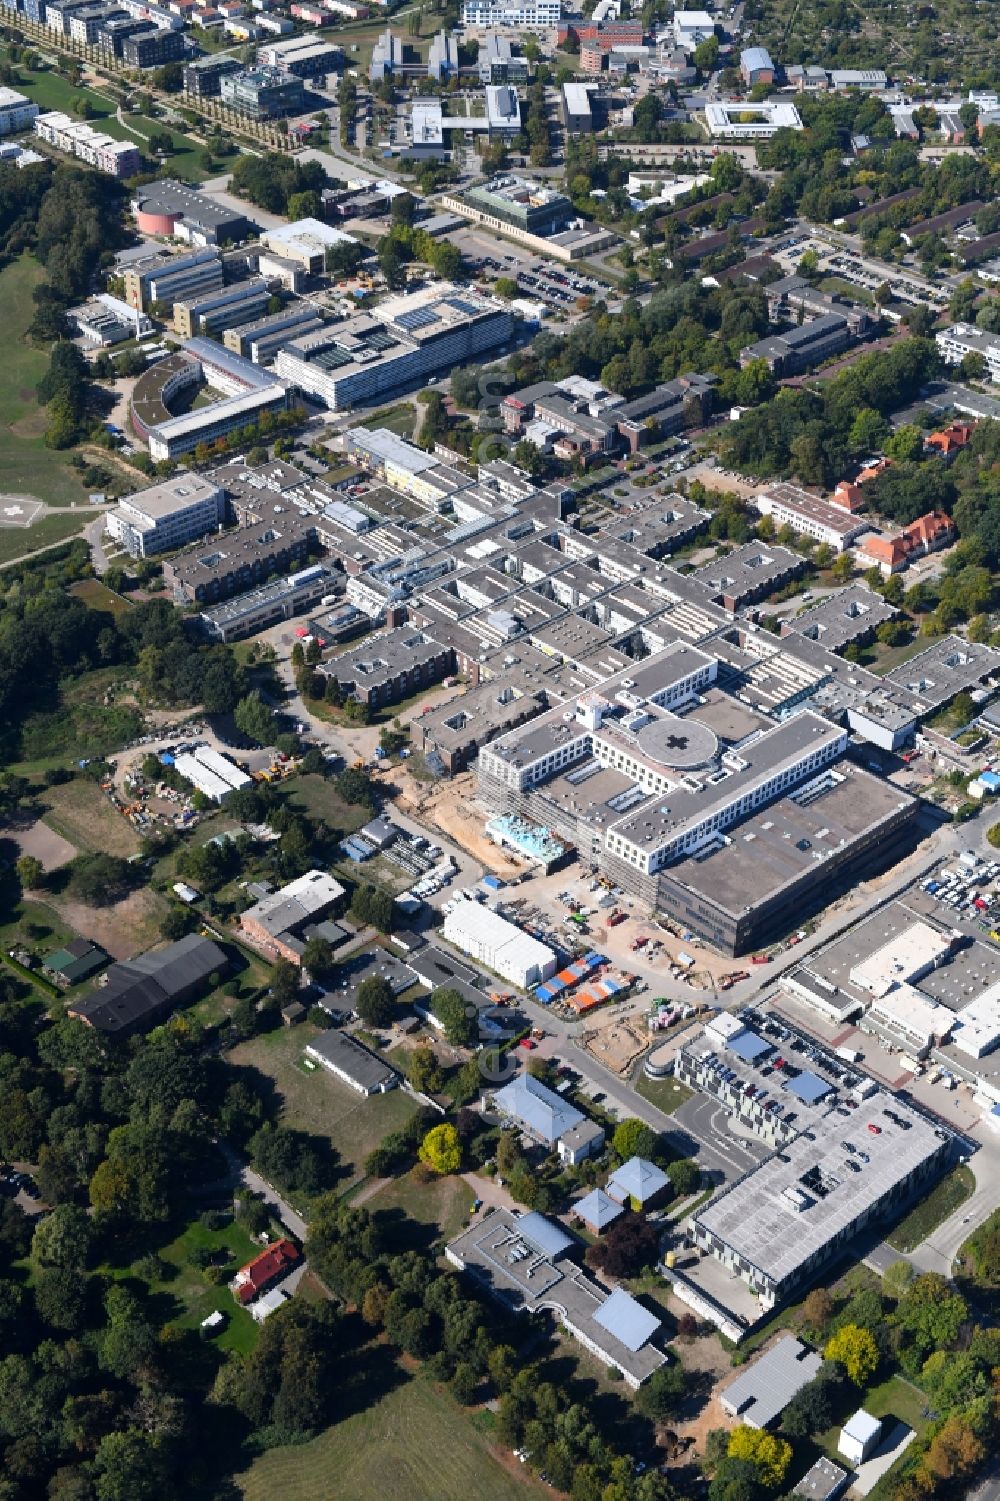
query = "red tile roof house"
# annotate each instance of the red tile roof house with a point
(264, 1270)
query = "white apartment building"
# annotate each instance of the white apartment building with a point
(116, 158)
(168, 515)
(964, 338)
(790, 505)
(16, 112)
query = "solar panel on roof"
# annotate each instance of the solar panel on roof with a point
(420, 317)
(461, 306)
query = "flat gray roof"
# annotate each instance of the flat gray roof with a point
(501, 1251)
(757, 1220)
(761, 1393)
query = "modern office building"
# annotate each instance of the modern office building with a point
(261, 339)
(263, 93)
(166, 516)
(386, 57)
(691, 28)
(739, 120)
(305, 242)
(116, 158)
(166, 278)
(17, 112)
(780, 1225)
(203, 76)
(578, 116)
(523, 1261)
(497, 63)
(280, 599)
(533, 15)
(442, 60)
(246, 390)
(398, 343)
(214, 312)
(802, 347)
(301, 55)
(530, 213)
(790, 505)
(385, 669)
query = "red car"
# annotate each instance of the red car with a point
(875, 1130)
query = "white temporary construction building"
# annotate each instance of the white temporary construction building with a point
(497, 943)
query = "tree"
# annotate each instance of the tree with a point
(633, 1138)
(62, 1239)
(61, 1297)
(456, 1015)
(685, 1176)
(424, 1072)
(255, 719)
(317, 957)
(630, 1245)
(356, 786)
(441, 1149)
(369, 905)
(855, 1349)
(661, 1396)
(817, 1310)
(100, 880)
(931, 1313)
(375, 1002)
(770, 1456)
(897, 1278)
(30, 872)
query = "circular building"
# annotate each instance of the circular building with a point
(679, 744)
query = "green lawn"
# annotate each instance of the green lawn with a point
(318, 1102)
(18, 541)
(99, 597)
(414, 1444)
(26, 465)
(50, 90)
(898, 1398)
(184, 1294)
(36, 925)
(443, 1205)
(398, 419)
(318, 797)
(942, 1201)
(185, 161)
(667, 1094)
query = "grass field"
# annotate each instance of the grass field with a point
(185, 161)
(318, 797)
(99, 597)
(320, 1103)
(443, 1205)
(398, 419)
(942, 1201)
(667, 1095)
(18, 541)
(26, 465)
(81, 813)
(415, 1444)
(184, 1295)
(36, 925)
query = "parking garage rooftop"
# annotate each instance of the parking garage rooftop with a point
(781, 1215)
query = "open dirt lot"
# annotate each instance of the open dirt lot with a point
(44, 844)
(79, 812)
(125, 929)
(451, 808)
